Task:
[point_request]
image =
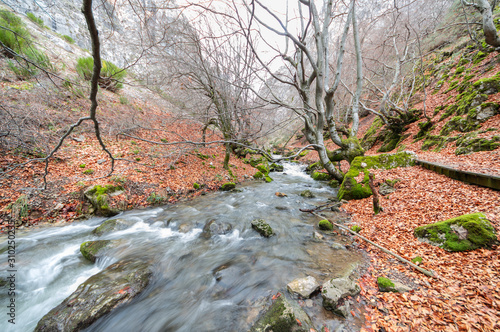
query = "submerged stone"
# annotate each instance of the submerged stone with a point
(112, 225)
(307, 194)
(283, 315)
(97, 296)
(261, 226)
(304, 287)
(467, 232)
(215, 227)
(92, 250)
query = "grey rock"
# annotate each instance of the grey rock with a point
(215, 227)
(336, 289)
(97, 296)
(386, 189)
(261, 226)
(304, 287)
(307, 194)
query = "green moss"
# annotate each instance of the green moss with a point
(203, 156)
(264, 169)
(334, 183)
(490, 85)
(106, 227)
(88, 171)
(416, 260)
(228, 186)
(459, 70)
(277, 319)
(258, 175)
(470, 144)
(276, 168)
(425, 127)
(350, 189)
(196, 186)
(307, 194)
(90, 249)
(325, 225)
(261, 226)
(356, 228)
(314, 167)
(268, 179)
(431, 141)
(384, 283)
(321, 176)
(460, 124)
(467, 232)
(479, 57)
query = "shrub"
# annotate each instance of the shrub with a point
(110, 76)
(68, 39)
(36, 19)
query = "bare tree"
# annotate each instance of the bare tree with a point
(486, 9)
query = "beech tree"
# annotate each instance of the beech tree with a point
(311, 72)
(486, 9)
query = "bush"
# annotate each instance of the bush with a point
(110, 76)
(18, 39)
(35, 19)
(68, 39)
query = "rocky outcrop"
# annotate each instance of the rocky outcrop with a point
(261, 226)
(101, 293)
(283, 315)
(463, 233)
(304, 287)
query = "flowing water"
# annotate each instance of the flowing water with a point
(198, 284)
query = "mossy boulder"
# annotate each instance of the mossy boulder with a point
(307, 194)
(469, 144)
(319, 176)
(460, 124)
(276, 168)
(283, 316)
(371, 135)
(463, 233)
(112, 225)
(489, 86)
(261, 226)
(100, 198)
(351, 189)
(98, 296)
(325, 225)
(228, 186)
(314, 167)
(92, 250)
(385, 284)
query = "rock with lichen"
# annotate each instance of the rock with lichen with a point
(261, 226)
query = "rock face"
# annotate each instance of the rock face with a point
(92, 250)
(304, 287)
(215, 227)
(283, 315)
(112, 225)
(262, 227)
(99, 197)
(336, 289)
(467, 232)
(97, 296)
(351, 189)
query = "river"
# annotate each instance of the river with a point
(189, 290)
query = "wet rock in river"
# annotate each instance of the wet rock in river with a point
(261, 226)
(101, 293)
(112, 225)
(304, 287)
(283, 315)
(339, 288)
(215, 227)
(92, 250)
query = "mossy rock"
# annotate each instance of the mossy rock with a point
(112, 225)
(276, 168)
(258, 175)
(463, 233)
(196, 186)
(356, 228)
(334, 183)
(489, 86)
(92, 250)
(263, 168)
(371, 135)
(350, 189)
(307, 194)
(325, 225)
(283, 316)
(254, 161)
(99, 197)
(268, 179)
(460, 124)
(469, 144)
(385, 284)
(228, 186)
(318, 176)
(314, 167)
(433, 140)
(261, 226)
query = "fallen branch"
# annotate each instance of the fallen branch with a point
(424, 271)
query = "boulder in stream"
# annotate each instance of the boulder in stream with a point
(100, 198)
(337, 289)
(215, 227)
(283, 315)
(97, 296)
(112, 225)
(304, 287)
(92, 250)
(261, 226)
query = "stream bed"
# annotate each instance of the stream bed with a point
(199, 283)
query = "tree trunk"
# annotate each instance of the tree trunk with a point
(490, 31)
(376, 202)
